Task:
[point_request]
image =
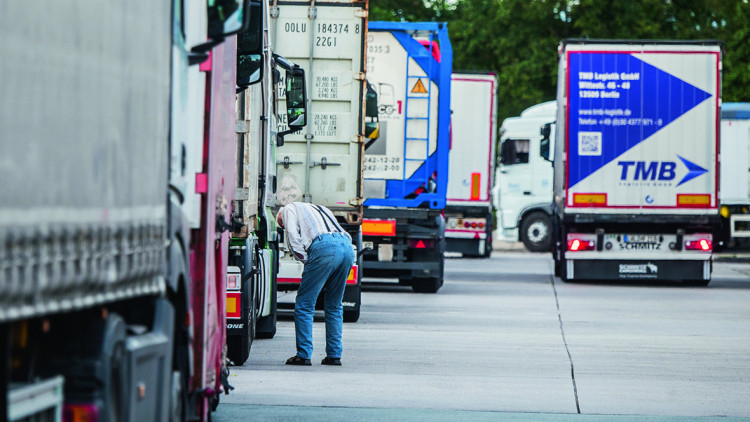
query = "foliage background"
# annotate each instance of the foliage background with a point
(518, 39)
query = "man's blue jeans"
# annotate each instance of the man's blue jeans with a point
(329, 261)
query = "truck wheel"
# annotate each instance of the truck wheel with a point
(696, 283)
(426, 285)
(536, 232)
(238, 347)
(266, 327)
(488, 246)
(351, 316)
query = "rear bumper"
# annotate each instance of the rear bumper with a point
(640, 269)
(466, 246)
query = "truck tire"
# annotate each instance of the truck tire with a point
(238, 347)
(488, 245)
(351, 316)
(266, 327)
(426, 285)
(536, 232)
(696, 283)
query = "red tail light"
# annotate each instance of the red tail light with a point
(698, 245)
(577, 245)
(474, 225)
(467, 224)
(80, 413)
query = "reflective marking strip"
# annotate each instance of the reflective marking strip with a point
(289, 280)
(589, 199)
(352, 278)
(475, 183)
(378, 227)
(233, 305)
(693, 200)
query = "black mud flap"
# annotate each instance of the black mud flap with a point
(638, 270)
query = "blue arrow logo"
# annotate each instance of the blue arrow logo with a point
(616, 102)
(694, 170)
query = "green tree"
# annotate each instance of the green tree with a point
(408, 10)
(518, 39)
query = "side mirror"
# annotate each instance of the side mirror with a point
(227, 17)
(546, 130)
(372, 123)
(250, 49)
(545, 143)
(296, 98)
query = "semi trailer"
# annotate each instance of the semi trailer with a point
(406, 168)
(637, 160)
(468, 212)
(323, 163)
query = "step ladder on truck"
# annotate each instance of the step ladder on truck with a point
(406, 169)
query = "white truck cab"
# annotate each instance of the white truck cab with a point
(523, 179)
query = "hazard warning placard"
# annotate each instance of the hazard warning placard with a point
(419, 88)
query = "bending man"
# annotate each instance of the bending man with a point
(316, 239)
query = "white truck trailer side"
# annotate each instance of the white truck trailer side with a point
(734, 192)
(637, 160)
(468, 211)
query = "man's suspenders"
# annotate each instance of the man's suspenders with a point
(325, 217)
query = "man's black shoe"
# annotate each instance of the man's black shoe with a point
(331, 361)
(297, 360)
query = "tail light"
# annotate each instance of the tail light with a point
(698, 245)
(234, 278)
(80, 413)
(422, 243)
(474, 223)
(577, 245)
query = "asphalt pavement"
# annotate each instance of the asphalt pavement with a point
(503, 339)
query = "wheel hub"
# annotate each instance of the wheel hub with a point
(537, 231)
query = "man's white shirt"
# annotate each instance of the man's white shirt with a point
(303, 224)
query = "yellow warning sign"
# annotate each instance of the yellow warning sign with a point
(418, 88)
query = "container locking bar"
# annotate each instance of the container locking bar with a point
(286, 162)
(323, 163)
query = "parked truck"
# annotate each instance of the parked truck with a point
(468, 212)
(523, 180)
(637, 162)
(406, 169)
(112, 238)
(734, 192)
(253, 249)
(323, 163)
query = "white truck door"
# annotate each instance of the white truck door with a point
(515, 178)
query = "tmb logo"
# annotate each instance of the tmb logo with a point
(658, 170)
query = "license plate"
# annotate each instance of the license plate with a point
(641, 238)
(366, 245)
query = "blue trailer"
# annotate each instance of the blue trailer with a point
(405, 171)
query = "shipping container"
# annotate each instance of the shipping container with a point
(322, 163)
